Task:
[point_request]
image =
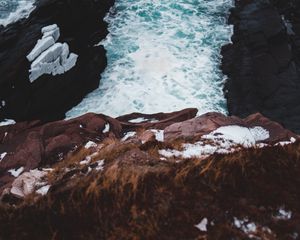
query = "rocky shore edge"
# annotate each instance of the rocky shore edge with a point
(172, 175)
(80, 27)
(262, 62)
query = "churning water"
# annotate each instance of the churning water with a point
(163, 55)
(13, 10)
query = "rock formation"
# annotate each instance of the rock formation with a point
(262, 63)
(172, 175)
(49, 97)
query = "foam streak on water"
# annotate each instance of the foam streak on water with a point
(163, 55)
(13, 10)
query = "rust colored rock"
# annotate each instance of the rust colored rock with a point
(33, 144)
(157, 121)
(209, 122)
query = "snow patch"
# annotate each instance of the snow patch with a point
(142, 120)
(16, 172)
(159, 134)
(2, 156)
(100, 166)
(90, 144)
(246, 226)
(49, 57)
(202, 226)
(239, 135)
(224, 140)
(107, 128)
(43, 190)
(284, 214)
(28, 182)
(7, 122)
(128, 135)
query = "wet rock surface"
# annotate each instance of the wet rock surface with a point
(49, 97)
(262, 63)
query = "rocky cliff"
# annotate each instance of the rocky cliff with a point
(166, 176)
(49, 97)
(262, 63)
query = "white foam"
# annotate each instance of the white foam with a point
(162, 56)
(23, 10)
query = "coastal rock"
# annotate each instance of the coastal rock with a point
(81, 26)
(209, 177)
(262, 63)
(210, 122)
(31, 145)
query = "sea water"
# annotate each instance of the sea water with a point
(163, 56)
(13, 10)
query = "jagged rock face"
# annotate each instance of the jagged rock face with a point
(262, 63)
(49, 97)
(30, 145)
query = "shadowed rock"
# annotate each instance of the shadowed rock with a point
(262, 63)
(49, 97)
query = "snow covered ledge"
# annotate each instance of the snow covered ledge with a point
(49, 57)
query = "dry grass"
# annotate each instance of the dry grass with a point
(139, 197)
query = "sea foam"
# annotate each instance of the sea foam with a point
(13, 10)
(163, 55)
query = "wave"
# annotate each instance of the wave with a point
(162, 56)
(12, 10)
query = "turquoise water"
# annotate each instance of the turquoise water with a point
(163, 55)
(12, 10)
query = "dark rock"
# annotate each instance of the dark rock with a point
(48, 98)
(262, 63)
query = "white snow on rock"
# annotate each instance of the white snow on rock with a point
(100, 166)
(107, 128)
(142, 120)
(128, 135)
(16, 172)
(138, 120)
(224, 140)
(29, 182)
(43, 190)
(7, 122)
(90, 144)
(239, 135)
(159, 134)
(49, 57)
(284, 214)
(2, 156)
(245, 225)
(284, 143)
(86, 161)
(202, 226)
